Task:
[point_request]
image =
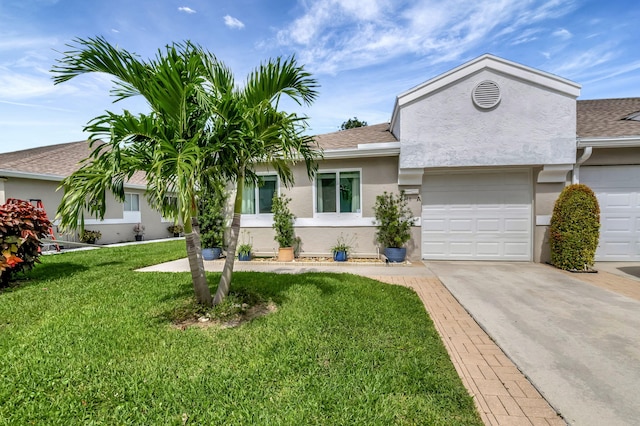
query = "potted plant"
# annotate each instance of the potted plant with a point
(283, 225)
(341, 249)
(213, 202)
(244, 249)
(393, 222)
(90, 237)
(175, 229)
(138, 229)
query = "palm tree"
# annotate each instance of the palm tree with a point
(201, 128)
(253, 130)
(170, 144)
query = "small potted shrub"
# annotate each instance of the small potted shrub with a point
(244, 249)
(138, 230)
(283, 225)
(341, 249)
(393, 222)
(90, 237)
(175, 229)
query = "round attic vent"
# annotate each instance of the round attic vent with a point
(486, 94)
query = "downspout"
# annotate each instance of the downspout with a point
(586, 154)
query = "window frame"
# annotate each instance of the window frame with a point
(256, 194)
(337, 172)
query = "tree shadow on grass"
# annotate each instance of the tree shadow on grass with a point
(43, 271)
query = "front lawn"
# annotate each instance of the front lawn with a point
(87, 340)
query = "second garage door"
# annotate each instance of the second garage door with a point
(477, 216)
(618, 192)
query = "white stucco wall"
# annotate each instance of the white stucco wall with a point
(532, 125)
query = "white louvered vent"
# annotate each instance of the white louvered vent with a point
(486, 94)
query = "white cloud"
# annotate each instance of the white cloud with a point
(336, 35)
(232, 22)
(186, 9)
(562, 33)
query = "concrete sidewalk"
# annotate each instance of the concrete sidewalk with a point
(574, 335)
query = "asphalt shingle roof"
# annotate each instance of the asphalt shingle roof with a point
(600, 118)
(55, 160)
(351, 138)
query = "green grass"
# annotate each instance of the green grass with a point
(86, 340)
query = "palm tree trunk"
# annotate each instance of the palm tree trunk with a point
(225, 278)
(196, 263)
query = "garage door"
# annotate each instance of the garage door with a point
(477, 216)
(618, 192)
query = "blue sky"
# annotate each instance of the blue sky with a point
(363, 52)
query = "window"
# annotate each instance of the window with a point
(258, 200)
(338, 192)
(131, 202)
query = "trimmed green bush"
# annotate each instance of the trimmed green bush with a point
(575, 228)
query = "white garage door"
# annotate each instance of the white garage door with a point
(618, 192)
(477, 216)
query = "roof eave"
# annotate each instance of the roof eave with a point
(386, 149)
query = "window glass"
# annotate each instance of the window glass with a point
(266, 193)
(350, 192)
(326, 192)
(131, 202)
(260, 200)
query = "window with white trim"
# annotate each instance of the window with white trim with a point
(338, 192)
(131, 202)
(259, 199)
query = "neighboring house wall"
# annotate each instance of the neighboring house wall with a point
(115, 227)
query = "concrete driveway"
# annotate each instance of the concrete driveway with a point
(578, 344)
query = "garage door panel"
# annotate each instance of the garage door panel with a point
(618, 191)
(483, 216)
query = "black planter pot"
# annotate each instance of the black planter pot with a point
(395, 254)
(139, 237)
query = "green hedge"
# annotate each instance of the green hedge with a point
(575, 228)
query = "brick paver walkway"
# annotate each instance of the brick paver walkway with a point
(502, 394)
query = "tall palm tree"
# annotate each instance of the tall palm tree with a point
(201, 127)
(253, 130)
(170, 144)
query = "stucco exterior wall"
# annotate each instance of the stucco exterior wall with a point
(44, 190)
(545, 198)
(531, 125)
(318, 233)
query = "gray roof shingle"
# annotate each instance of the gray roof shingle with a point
(605, 118)
(58, 160)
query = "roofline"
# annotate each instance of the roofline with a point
(367, 150)
(606, 142)
(48, 177)
(489, 61)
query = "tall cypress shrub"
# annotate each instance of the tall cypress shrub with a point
(575, 228)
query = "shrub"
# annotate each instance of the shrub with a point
(393, 220)
(90, 237)
(283, 221)
(575, 228)
(212, 218)
(21, 227)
